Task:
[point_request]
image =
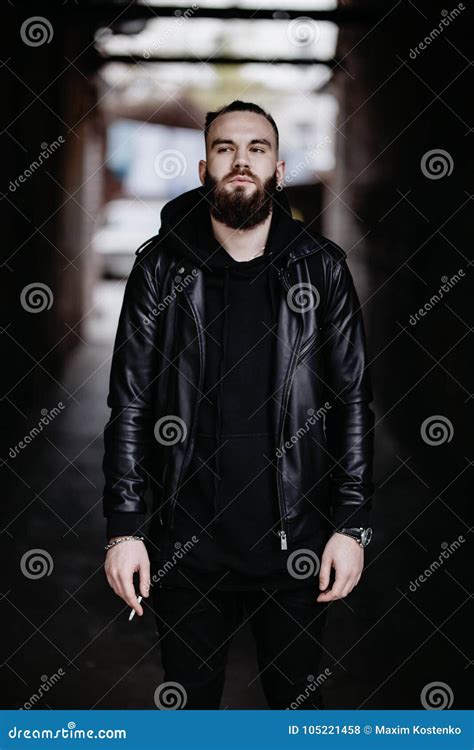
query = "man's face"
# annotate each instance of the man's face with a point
(242, 169)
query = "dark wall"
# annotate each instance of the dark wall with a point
(48, 116)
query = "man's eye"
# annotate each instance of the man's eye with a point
(227, 148)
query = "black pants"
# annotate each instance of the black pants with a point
(195, 633)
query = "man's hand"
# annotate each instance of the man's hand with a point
(347, 557)
(121, 562)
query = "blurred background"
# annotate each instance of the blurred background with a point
(103, 105)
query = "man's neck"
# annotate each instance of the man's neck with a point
(242, 244)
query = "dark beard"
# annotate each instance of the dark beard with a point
(237, 210)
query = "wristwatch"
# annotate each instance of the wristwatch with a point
(361, 535)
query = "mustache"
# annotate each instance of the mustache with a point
(241, 173)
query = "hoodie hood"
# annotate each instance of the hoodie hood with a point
(186, 232)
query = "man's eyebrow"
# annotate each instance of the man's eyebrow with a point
(220, 141)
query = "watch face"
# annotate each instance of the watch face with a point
(366, 536)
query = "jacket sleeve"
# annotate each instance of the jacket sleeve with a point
(128, 435)
(350, 420)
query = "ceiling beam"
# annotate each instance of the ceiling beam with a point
(216, 60)
(116, 12)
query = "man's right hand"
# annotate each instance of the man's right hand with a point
(121, 562)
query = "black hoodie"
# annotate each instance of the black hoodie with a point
(229, 494)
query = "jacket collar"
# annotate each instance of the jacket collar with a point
(185, 220)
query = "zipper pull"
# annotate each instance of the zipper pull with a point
(282, 535)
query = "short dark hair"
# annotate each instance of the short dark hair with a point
(239, 106)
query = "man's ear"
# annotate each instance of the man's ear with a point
(202, 170)
(280, 171)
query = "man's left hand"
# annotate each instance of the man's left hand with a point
(347, 557)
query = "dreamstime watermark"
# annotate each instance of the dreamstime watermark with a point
(170, 163)
(170, 696)
(447, 285)
(303, 31)
(36, 297)
(303, 297)
(303, 563)
(69, 732)
(180, 17)
(36, 31)
(181, 550)
(46, 419)
(47, 149)
(46, 684)
(447, 551)
(169, 298)
(303, 164)
(312, 419)
(436, 696)
(170, 430)
(436, 430)
(436, 164)
(36, 563)
(447, 17)
(312, 685)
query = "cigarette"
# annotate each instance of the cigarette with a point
(130, 617)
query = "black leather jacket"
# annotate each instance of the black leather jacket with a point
(322, 389)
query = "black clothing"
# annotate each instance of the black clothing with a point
(217, 367)
(196, 633)
(319, 411)
(229, 497)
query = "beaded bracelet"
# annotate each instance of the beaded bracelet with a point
(123, 539)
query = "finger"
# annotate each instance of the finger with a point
(325, 572)
(119, 588)
(322, 598)
(144, 573)
(128, 594)
(329, 596)
(342, 577)
(111, 581)
(334, 591)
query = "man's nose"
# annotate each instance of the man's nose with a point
(240, 161)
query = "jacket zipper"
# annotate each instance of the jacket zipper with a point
(283, 533)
